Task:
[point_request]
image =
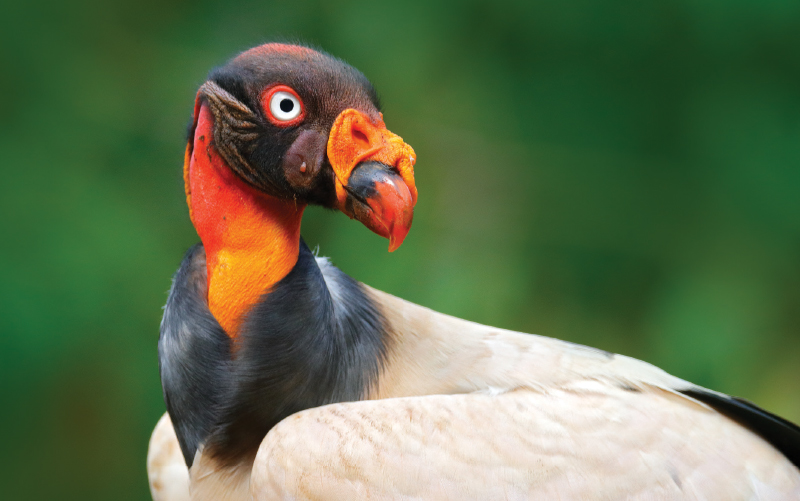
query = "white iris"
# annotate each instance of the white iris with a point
(284, 106)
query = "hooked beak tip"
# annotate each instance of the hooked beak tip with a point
(382, 201)
(397, 235)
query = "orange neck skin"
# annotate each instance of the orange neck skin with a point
(251, 239)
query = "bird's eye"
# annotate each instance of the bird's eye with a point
(283, 106)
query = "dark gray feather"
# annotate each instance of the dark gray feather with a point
(193, 355)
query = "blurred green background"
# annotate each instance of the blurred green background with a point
(622, 174)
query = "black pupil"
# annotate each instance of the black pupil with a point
(286, 105)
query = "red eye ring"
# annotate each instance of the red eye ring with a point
(266, 98)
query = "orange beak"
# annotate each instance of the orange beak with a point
(374, 171)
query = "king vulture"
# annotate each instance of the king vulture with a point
(284, 378)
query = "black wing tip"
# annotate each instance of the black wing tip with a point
(779, 432)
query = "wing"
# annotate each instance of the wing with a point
(782, 434)
(432, 353)
(166, 469)
(589, 442)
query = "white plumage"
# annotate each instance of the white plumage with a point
(465, 411)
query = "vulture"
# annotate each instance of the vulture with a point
(284, 378)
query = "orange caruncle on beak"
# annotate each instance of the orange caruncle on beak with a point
(374, 171)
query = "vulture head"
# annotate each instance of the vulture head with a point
(277, 128)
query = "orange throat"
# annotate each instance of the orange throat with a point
(251, 239)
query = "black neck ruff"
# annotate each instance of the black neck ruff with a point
(315, 338)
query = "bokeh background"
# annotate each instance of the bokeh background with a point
(622, 174)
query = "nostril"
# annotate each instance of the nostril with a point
(360, 137)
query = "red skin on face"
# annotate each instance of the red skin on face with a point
(251, 239)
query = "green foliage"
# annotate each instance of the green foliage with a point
(621, 174)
